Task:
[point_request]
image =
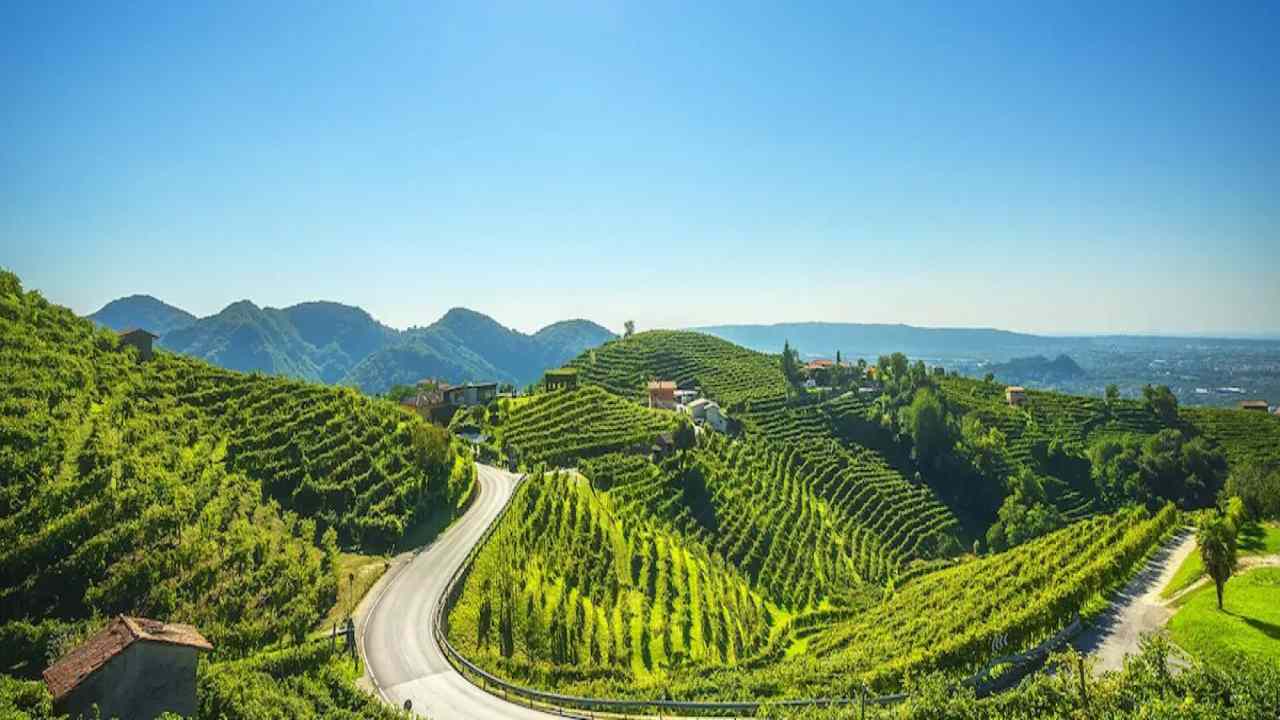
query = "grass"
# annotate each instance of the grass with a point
(1247, 628)
(356, 574)
(1254, 539)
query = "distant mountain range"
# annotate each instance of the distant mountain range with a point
(334, 343)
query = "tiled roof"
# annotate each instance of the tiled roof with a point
(662, 384)
(1015, 389)
(137, 331)
(87, 657)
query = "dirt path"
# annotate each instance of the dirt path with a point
(1138, 608)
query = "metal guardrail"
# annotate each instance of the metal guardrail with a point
(558, 702)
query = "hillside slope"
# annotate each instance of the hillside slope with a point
(177, 490)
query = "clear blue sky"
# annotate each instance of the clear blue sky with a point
(1067, 169)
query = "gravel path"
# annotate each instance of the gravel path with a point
(1137, 609)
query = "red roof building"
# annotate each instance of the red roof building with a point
(662, 394)
(155, 672)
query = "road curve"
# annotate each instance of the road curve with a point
(400, 652)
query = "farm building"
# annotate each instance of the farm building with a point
(1015, 395)
(140, 340)
(471, 394)
(132, 668)
(662, 394)
(1255, 405)
(708, 412)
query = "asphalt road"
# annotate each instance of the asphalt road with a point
(400, 653)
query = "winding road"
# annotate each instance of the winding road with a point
(401, 656)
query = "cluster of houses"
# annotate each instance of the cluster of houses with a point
(667, 395)
(819, 374)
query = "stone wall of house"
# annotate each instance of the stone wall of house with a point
(143, 681)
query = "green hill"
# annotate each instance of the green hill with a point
(142, 311)
(731, 374)
(334, 343)
(983, 444)
(177, 490)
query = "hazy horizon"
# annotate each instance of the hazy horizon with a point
(1225, 335)
(1057, 171)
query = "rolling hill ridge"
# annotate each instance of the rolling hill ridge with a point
(334, 343)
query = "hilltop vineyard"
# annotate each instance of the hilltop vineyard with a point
(733, 375)
(559, 427)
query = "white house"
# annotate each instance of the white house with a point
(708, 412)
(684, 397)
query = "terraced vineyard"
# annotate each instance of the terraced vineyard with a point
(595, 551)
(1245, 436)
(365, 468)
(807, 517)
(171, 489)
(560, 427)
(568, 588)
(733, 375)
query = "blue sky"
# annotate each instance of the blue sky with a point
(1075, 167)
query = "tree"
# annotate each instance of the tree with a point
(1217, 540)
(1258, 487)
(1161, 401)
(684, 437)
(628, 328)
(1025, 514)
(1114, 464)
(926, 421)
(790, 363)
(1111, 394)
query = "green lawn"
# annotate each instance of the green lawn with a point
(1255, 539)
(1247, 628)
